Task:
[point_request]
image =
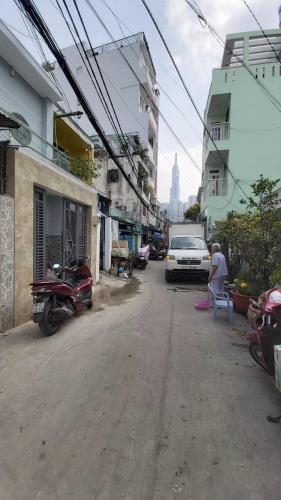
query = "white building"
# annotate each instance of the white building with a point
(134, 102)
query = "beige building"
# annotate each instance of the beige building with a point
(47, 213)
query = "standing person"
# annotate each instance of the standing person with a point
(218, 271)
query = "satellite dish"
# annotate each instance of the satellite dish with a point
(22, 135)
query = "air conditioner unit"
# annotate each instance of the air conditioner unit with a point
(113, 175)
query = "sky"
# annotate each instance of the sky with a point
(195, 50)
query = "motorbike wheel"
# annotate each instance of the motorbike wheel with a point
(255, 351)
(90, 305)
(48, 325)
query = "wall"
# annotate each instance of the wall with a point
(122, 86)
(17, 96)
(6, 262)
(254, 141)
(29, 173)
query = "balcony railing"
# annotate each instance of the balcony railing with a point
(218, 132)
(150, 153)
(153, 120)
(216, 187)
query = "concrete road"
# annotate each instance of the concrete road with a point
(144, 399)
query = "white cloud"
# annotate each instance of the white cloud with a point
(198, 47)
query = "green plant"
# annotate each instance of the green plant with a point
(139, 150)
(275, 277)
(192, 212)
(84, 169)
(246, 287)
(253, 239)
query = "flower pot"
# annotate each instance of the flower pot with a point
(241, 302)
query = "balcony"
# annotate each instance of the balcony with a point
(152, 121)
(219, 133)
(150, 153)
(216, 187)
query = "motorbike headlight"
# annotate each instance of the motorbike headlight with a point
(170, 257)
(206, 257)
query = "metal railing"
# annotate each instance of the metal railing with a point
(118, 44)
(218, 132)
(216, 187)
(150, 153)
(27, 139)
(39, 146)
(153, 120)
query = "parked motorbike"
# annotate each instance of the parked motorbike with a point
(64, 292)
(142, 257)
(157, 252)
(265, 317)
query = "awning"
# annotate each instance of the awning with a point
(6, 122)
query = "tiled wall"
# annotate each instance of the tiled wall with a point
(6, 262)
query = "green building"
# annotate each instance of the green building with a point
(243, 121)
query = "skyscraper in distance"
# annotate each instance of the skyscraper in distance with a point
(175, 206)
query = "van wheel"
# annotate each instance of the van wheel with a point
(168, 276)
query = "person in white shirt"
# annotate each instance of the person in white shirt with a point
(218, 271)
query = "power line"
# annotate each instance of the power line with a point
(275, 102)
(142, 86)
(90, 72)
(190, 96)
(36, 18)
(106, 89)
(15, 29)
(261, 28)
(90, 69)
(37, 44)
(120, 22)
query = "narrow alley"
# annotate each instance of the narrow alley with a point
(149, 400)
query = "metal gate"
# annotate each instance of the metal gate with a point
(74, 244)
(39, 236)
(72, 229)
(3, 166)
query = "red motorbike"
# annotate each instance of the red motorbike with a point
(64, 292)
(265, 317)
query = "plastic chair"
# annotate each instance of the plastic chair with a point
(221, 300)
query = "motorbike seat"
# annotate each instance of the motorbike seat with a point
(69, 283)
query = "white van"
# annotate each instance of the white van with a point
(187, 254)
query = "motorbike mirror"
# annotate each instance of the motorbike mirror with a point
(56, 266)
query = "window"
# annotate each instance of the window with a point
(113, 175)
(214, 182)
(187, 243)
(273, 70)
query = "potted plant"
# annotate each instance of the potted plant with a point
(251, 242)
(242, 293)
